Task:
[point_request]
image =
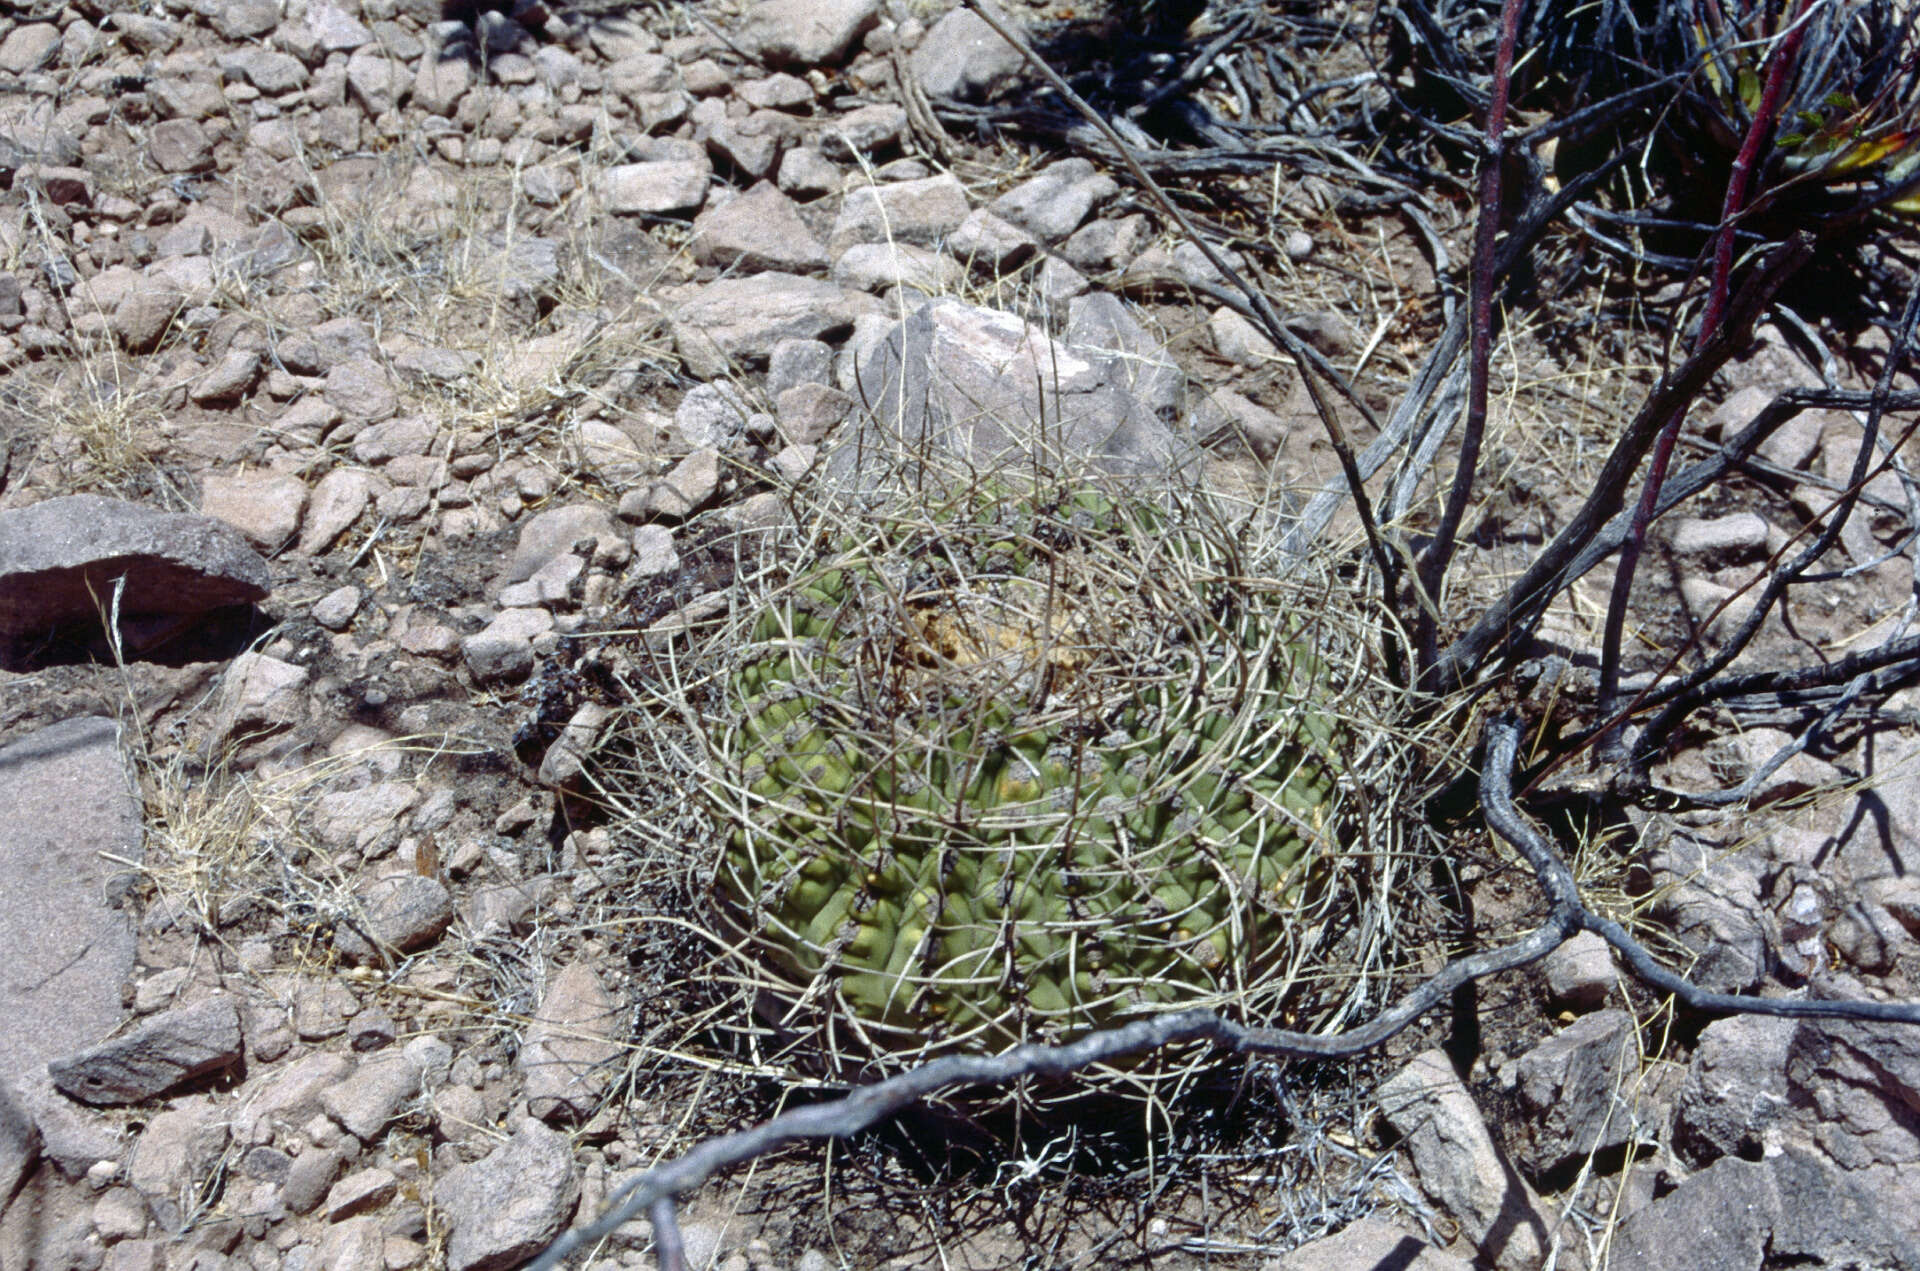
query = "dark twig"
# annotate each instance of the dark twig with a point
(1433, 565)
(1780, 69)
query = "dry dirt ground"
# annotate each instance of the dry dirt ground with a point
(494, 336)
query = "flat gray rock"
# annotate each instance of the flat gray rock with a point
(64, 806)
(60, 559)
(166, 1051)
(502, 1210)
(982, 388)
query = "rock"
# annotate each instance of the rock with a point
(1239, 341)
(571, 1052)
(863, 131)
(1711, 900)
(264, 506)
(309, 1179)
(357, 1244)
(173, 1157)
(398, 914)
(1580, 973)
(963, 57)
(711, 416)
(1369, 1245)
(741, 319)
(779, 91)
(1107, 244)
(1719, 1220)
(373, 1096)
(810, 412)
(567, 756)
(922, 212)
(337, 501)
(1740, 756)
(165, 1051)
(552, 532)
(361, 390)
(1716, 542)
(878, 266)
(806, 173)
(335, 610)
(358, 1192)
(686, 488)
(1460, 1167)
(1052, 204)
(143, 316)
(508, 1206)
(1576, 1090)
(795, 362)
(658, 186)
(180, 145)
(504, 649)
(807, 32)
(1225, 412)
(984, 387)
(1105, 324)
(29, 47)
(64, 801)
(990, 244)
(759, 230)
(259, 694)
(19, 1143)
(1736, 1088)
(60, 559)
(1862, 1079)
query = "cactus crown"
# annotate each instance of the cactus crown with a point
(1019, 763)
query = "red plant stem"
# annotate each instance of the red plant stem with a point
(1780, 67)
(1433, 567)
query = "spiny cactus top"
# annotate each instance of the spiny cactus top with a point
(1016, 768)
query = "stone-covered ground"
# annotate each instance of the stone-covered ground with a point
(377, 366)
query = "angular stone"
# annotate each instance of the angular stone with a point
(571, 1051)
(923, 212)
(1716, 542)
(64, 803)
(259, 694)
(338, 500)
(144, 315)
(1580, 973)
(19, 1142)
(358, 1192)
(991, 244)
(373, 1096)
(1459, 1165)
(264, 506)
(1719, 1220)
(756, 231)
(567, 756)
(1736, 1089)
(1052, 204)
(174, 1155)
(878, 266)
(552, 532)
(227, 380)
(743, 318)
(863, 131)
(810, 412)
(963, 57)
(807, 32)
(165, 1051)
(1575, 1088)
(659, 186)
(60, 560)
(180, 145)
(398, 914)
(987, 388)
(505, 1208)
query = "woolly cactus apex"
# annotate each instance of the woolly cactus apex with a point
(1022, 765)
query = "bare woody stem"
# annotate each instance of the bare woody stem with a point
(1433, 566)
(1780, 69)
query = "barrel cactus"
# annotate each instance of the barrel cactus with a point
(1018, 766)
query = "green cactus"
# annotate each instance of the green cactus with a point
(1017, 769)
